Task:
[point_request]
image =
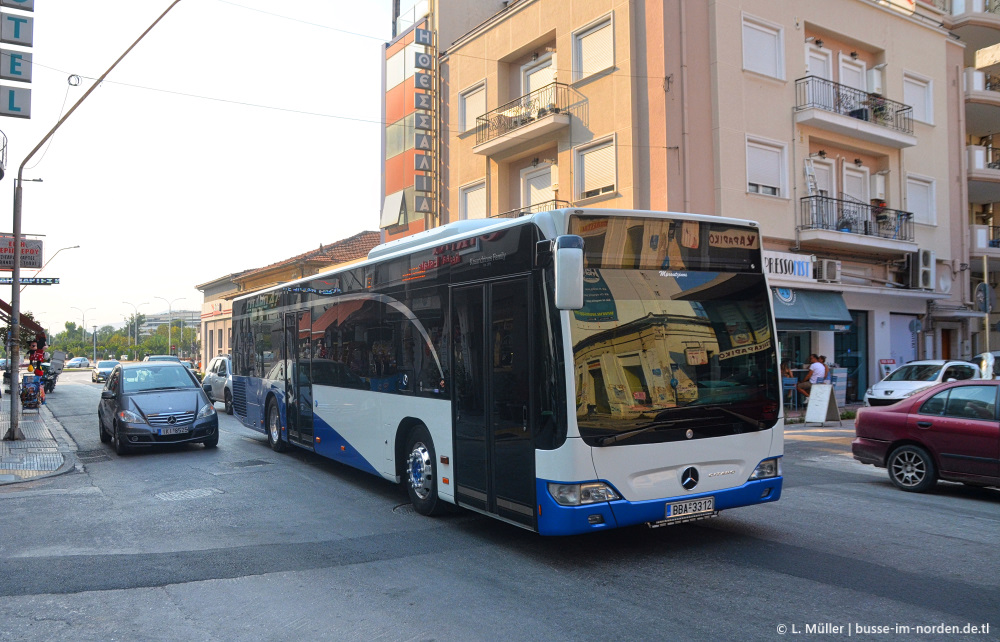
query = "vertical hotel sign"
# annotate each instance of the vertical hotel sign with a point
(15, 65)
(425, 84)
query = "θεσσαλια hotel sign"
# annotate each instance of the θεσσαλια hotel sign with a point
(31, 253)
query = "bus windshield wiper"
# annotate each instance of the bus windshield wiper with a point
(756, 423)
(657, 424)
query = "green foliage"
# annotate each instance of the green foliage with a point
(112, 343)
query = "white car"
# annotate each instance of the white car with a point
(218, 381)
(917, 375)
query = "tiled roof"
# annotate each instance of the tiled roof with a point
(349, 249)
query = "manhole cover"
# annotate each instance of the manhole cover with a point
(182, 495)
(404, 509)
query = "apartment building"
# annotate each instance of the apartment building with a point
(839, 126)
(977, 24)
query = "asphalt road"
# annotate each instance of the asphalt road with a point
(240, 542)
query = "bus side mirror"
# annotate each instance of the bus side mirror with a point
(569, 272)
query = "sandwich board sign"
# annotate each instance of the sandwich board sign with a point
(822, 405)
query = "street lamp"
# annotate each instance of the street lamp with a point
(136, 321)
(84, 326)
(14, 433)
(170, 318)
(72, 247)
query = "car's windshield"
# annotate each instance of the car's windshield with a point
(915, 372)
(107, 364)
(156, 377)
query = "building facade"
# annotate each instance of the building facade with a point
(217, 305)
(840, 127)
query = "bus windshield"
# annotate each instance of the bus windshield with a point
(661, 352)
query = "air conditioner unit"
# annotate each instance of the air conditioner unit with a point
(875, 81)
(878, 187)
(923, 270)
(827, 271)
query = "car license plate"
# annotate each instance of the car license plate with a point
(679, 510)
(172, 431)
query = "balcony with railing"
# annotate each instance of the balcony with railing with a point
(527, 117)
(982, 101)
(833, 107)
(985, 241)
(834, 223)
(535, 208)
(984, 173)
(976, 22)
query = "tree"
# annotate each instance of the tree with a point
(27, 334)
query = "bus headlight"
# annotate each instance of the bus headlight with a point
(766, 469)
(580, 494)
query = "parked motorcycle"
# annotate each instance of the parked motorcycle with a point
(48, 381)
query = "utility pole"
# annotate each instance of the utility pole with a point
(14, 433)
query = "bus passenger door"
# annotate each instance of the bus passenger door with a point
(298, 386)
(494, 440)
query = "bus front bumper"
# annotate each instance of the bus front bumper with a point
(556, 519)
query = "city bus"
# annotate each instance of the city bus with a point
(565, 371)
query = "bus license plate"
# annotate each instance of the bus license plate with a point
(677, 510)
(172, 431)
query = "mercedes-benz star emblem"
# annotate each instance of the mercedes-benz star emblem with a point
(171, 420)
(689, 478)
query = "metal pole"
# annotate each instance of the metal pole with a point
(14, 432)
(986, 304)
(95, 346)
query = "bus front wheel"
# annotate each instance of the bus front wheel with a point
(274, 428)
(421, 473)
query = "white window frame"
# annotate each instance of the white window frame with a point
(545, 60)
(819, 52)
(466, 121)
(783, 190)
(463, 192)
(768, 28)
(928, 85)
(578, 174)
(526, 175)
(606, 21)
(844, 61)
(931, 215)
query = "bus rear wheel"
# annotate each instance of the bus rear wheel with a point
(421, 473)
(274, 428)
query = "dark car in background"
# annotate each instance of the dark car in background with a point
(102, 370)
(155, 402)
(950, 431)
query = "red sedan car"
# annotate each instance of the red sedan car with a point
(950, 431)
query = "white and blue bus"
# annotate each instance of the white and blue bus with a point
(565, 371)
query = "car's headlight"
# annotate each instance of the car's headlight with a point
(767, 469)
(579, 494)
(206, 411)
(130, 417)
(869, 392)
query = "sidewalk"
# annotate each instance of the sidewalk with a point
(46, 449)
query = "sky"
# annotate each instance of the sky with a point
(238, 133)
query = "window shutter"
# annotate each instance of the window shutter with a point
(475, 202)
(918, 200)
(598, 168)
(915, 95)
(474, 105)
(596, 50)
(760, 50)
(764, 166)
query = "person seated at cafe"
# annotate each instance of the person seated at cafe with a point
(815, 375)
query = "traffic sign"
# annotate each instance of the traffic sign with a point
(30, 280)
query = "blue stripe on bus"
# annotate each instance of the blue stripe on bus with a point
(333, 445)
(555, 519)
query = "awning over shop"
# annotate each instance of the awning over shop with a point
(810, 310)
(5, 315)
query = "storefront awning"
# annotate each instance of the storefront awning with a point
(810, 310)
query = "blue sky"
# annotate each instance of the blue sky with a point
(236, 134)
